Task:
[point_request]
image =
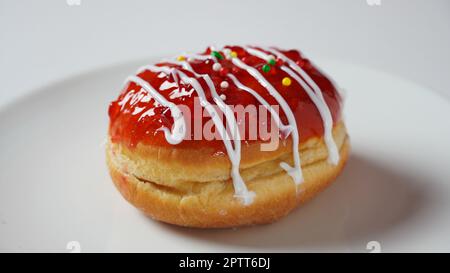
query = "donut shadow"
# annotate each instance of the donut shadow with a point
(366, 202)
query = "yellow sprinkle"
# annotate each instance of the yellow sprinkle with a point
(286, 81)
(233, 54)
(181, 58)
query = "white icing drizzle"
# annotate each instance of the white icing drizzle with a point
(316, 96)
(295, 172)
(234, 153)
(167, 85)
(200, 57)
(240, 188)
(179, 126)
(285, 129)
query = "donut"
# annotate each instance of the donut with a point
(231, 136)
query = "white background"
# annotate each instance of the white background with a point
(45, 41)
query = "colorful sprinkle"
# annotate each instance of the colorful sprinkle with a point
(271, 61)
(266, 68)
(181, 58)
(217, 55)
(223, 97)
(286, 81)
(224, 85)
(233, 54)
(216, 67)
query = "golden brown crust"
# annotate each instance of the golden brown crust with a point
(193, 188)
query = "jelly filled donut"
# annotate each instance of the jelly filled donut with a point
(228, 137)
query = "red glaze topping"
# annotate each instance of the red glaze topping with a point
(136, 117)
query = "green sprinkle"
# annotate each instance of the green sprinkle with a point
(266, 68)
(272, 62)
(217, 55)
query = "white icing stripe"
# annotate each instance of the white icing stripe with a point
(333, 154)
(296, 171)
(234, 154)
(286, 129)
(318, 99)
(200, 57)
(230, 119)
(239, 185)
(258, 53)
(240, 188)
(179, 126)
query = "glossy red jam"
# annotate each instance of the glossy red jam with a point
(128, 125)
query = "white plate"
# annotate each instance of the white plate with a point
(54, 186)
